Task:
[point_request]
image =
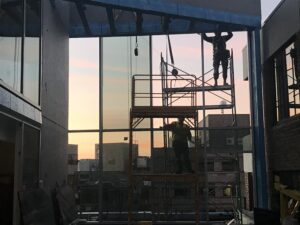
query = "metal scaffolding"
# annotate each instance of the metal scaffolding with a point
(164, 111)
(179, 96)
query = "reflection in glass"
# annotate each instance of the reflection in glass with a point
(119, 64)
(84, 84)
(11, 26)
(31, 69)
(32, 51)
(115, 169)
(85, 179)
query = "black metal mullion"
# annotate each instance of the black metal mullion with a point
(40, 53)
(22, 45)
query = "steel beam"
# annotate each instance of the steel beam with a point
(111, 20)
(259, 158)
(139, 23)
(149, 28)
(81, 8)
(180, 10)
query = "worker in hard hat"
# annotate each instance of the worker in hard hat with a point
(181, 134)
(220, 53)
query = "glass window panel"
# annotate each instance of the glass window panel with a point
(116, 82)
(119, 63)
(31, 157)
(32, 50)
(158, 139)
(86, 144)
(31, 69)
(11, 27)
(293, 90)
(142, 139)
(86, 178)
(84, 84)
(115, 168)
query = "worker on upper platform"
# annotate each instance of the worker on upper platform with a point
(181, 134)
(220, 53)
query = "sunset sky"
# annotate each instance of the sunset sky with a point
(84, 80)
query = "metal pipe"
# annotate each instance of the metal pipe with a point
(204, 133)
(100, 155)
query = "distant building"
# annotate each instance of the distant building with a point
(114, 176)
(87, 165)
(72, 158)
(116, 155)
(87, 171)
(72, 163)
(142, 163)
(225, 139)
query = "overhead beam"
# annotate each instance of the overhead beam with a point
(191, 25)
(180, 10)
(81, 8)
(10, 9)
(14, 16)
(165, 24)
(111, 20)
(139, 23)
(149, 28)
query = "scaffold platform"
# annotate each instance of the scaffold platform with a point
(163, 111)
(198, 88)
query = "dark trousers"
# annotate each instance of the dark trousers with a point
(223, 59)
(181, 151)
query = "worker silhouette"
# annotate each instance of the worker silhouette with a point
(181, 134)
(220, 53)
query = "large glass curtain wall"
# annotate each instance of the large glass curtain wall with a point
(20, 33)
(99, 106)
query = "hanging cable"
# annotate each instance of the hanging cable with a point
(174, 71)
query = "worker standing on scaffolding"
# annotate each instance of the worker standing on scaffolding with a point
(220, 53)
(181, 134)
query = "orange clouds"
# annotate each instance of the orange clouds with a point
(82, 63)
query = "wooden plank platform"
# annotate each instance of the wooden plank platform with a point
(184, 177)
(213, 107)
(163, 111)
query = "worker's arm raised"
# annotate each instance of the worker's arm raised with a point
(168, 126)
(208, 39)
(228, 36)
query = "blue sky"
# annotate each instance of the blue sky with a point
(267, 6)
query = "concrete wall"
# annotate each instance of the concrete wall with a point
(55, 64)
(280, 27)
(7, 129)
(282, 138)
